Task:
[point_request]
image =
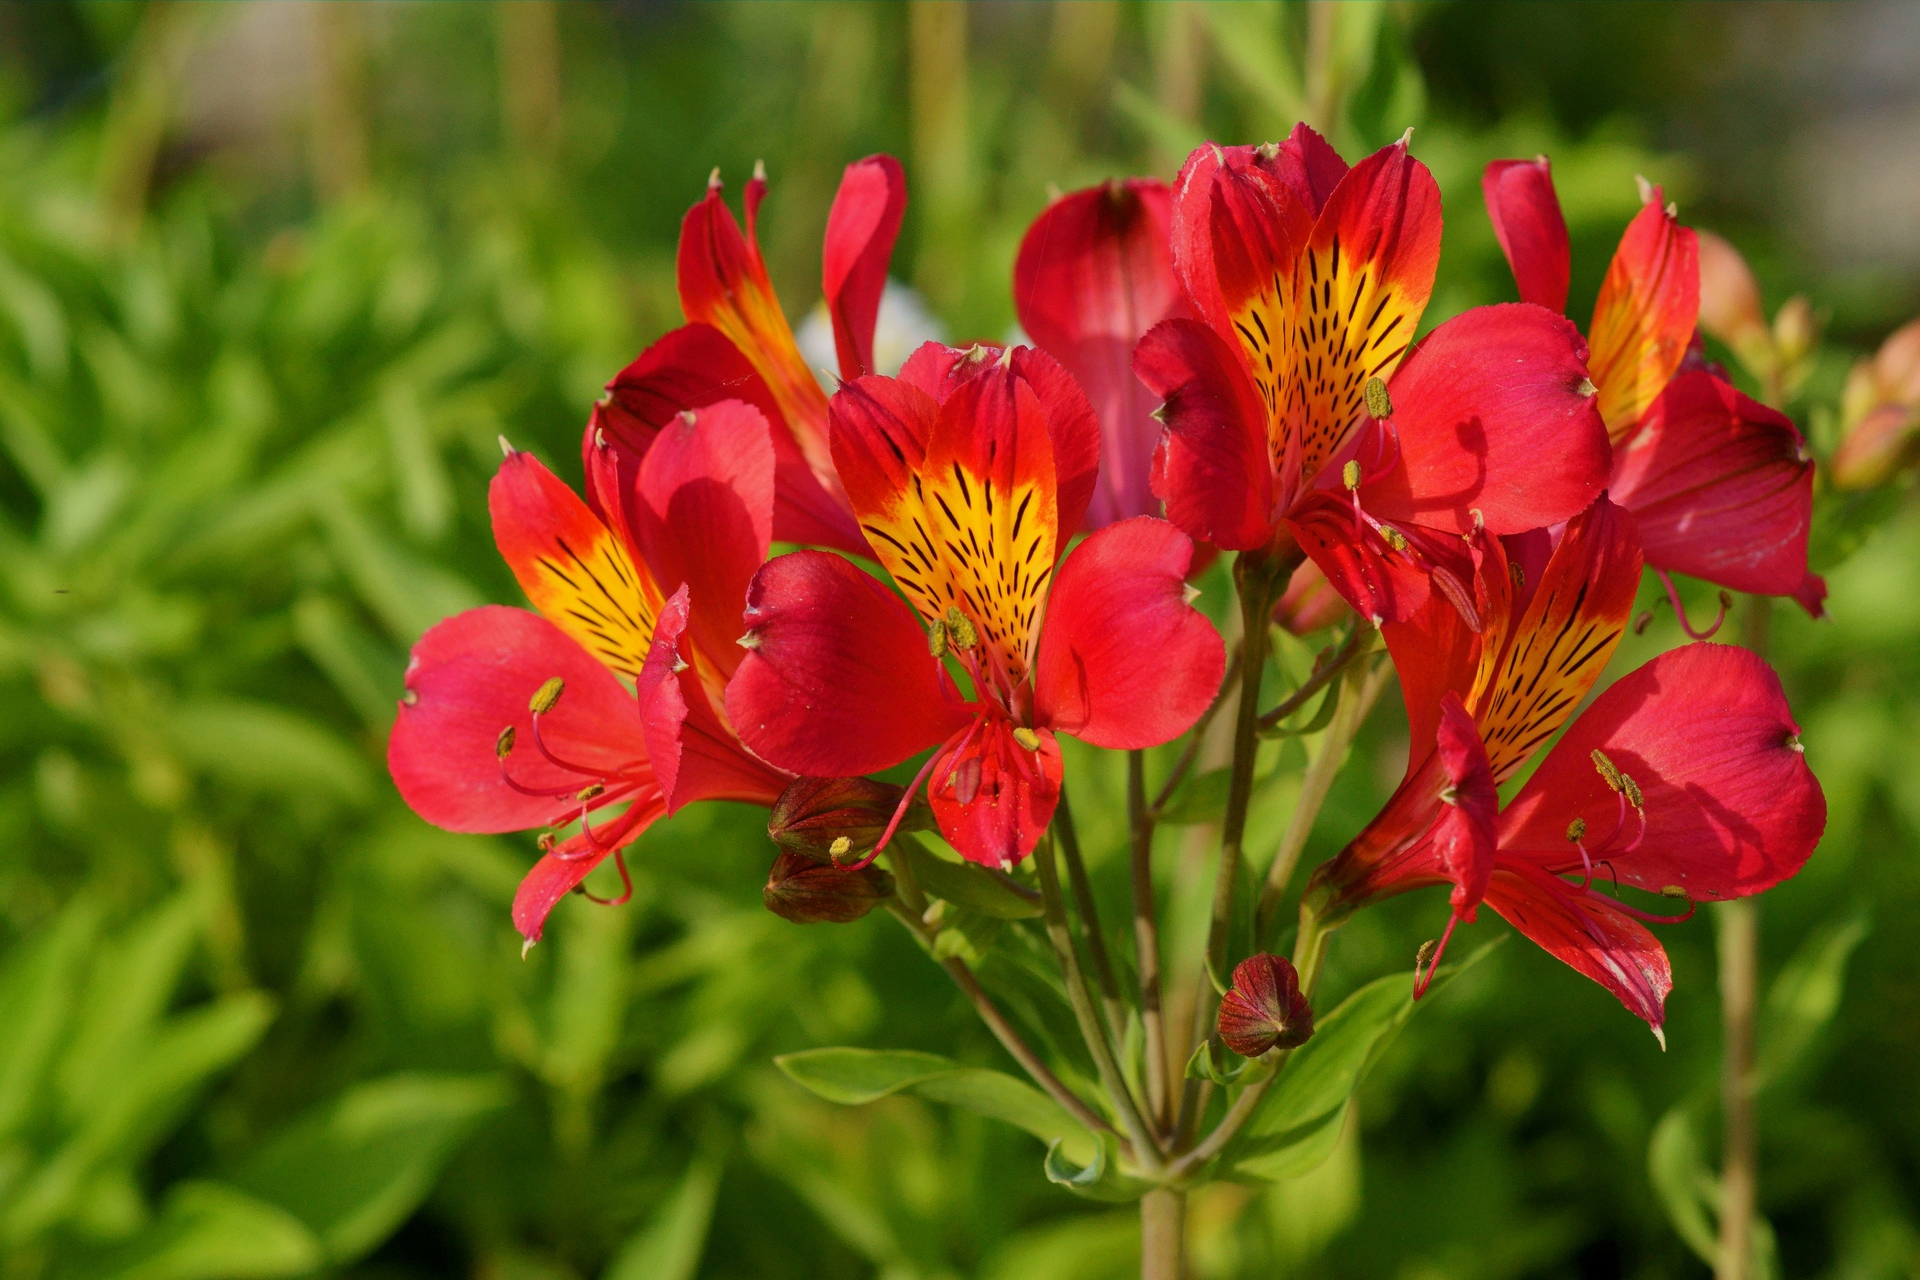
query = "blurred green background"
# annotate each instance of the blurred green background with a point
(274, 277)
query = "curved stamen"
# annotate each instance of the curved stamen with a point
(543, 793)
(1680, 610)
(1649, 917)
(1422, 979)
(899, 812)
(598, 775)
(626, 883)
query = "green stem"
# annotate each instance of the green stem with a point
(1259, 579)
(1323, 675)
(1146, 942)
(1146, 1149)
(1163, 1234)
(1089, 913)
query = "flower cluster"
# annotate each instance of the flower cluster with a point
(996, 544)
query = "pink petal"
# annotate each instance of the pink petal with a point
(861, 228)
(992, 797)
(560, 871)
(1531, 230)
(1463, 838)
(1212, 468)
(1589, 933)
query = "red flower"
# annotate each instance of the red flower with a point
(1095, 272)
(968, 473)
(513, 720)
(1684, 778)
(1720, 486)
(737, 344)
(1289, 405)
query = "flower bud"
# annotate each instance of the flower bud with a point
(1876, 447)
(814, 814)
(809, 892)
(1310, 602)
(1264, 1009)
(1730, 302)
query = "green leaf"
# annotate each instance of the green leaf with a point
(1099, 1178)
(853, 1077)
(1805, 996)
(1298, 1124)
(354, 1169)
(132, 983)
(259, 746)
(670, 1245)
(1329, 701)
(1683, 1182)
(209, 1231)
(967, 885)
(1201, 798)
(38, 987)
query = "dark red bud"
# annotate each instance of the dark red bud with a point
(1264, 1008)
(813, 813)
(805, 891)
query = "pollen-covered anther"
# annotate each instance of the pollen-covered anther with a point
(1027, 738)
(937, 638)
(1379, 404)
(547, 696)
(1350, 474)
(589, 792)
(960, 629)
(1576, 831)
(1608, 773)
(840, 845)
(1395, 539)
(503, 745)
(1632, 789)
(546, 841)
(1424, 956)
(1673, 891)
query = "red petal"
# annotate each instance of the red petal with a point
(702, 512)
(558, 872)
(1379, 582)
(1531, 230)
(695, 756)
(1731, 807)
(1463, 838)
(838, 681)
(472, 676)
(1298, 176)
(578, 572)
(1125, 662)
(1212, 468)
(992, 797)
(861, 228)
(1644, 316)
(1491, 419)
(1721, 487)
(1310, 602)
(695, 366)
(1589, 933)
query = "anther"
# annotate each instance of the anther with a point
(589, 791)
(937, 639)
(1350, 474)
(546, 696)
(1518, 574)
(1632, 788)
(1027, 738)
(1395, 539)
(1640, 623)
(1424, 957)
(1672, 891)
(503, 745)
(1576, 831)
(1608, 773)
(960, 629)
(546, 841)
(839, 846)
(1378, 403)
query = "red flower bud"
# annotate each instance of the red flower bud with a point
(813, 815)
(1264, 1008)
(805, 891)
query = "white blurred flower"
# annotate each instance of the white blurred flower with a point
(904, 324)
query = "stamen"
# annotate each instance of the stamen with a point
(960, 628)
(1378, 404)
(1027, 738)
(1609, 774)
(1395, 539)
(540, 742)
(1421, 980)
(503, 745)
(1576, 831)
(1350, 474)
(937, 639)
(543, 793)
(547, 696)
(1680, 610)
(839, 846)
(590, 791)
(546, 841)
(626, 885)
(1632, 789)
(899, 812)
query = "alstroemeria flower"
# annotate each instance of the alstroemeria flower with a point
(515, 720)
(1297, 405)
(1684, 778)
(1095, 272)
(969, 473)
(1720, 486)
(737, 344)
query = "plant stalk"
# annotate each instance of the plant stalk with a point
(1146, 945)
(1163, 1234)
(1089, 913)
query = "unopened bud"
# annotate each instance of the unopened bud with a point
(809, 892)
(1379, 405)
(832, 818)
(503, 745)
(1795, 330)
(1576, 831)
(1608, 773)
(1350, 474)
(1264, 1008)
(546, 696)
(937, 639)
(960, 629)
(1027, 738)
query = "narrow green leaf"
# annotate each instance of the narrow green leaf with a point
(1685, 1185)
(966, 885)
(1806, 995)
(670, 1245)
(209, 1231)
(1097, 1179)
(38, 989)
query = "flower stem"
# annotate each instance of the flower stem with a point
(1363, 684)
(1352, 647)
(1259, 578)
(1146, 1148)
(1003, 1030)
(1163, 1234)
(1089, 913)
(1146, 943)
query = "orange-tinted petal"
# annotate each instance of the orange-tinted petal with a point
(1644, 316)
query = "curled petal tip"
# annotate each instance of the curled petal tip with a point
(713, 179)
(506, 448)
(759, 171)
(1659, 1033)
(1645, 188)
(526, 945)
(1406, 139)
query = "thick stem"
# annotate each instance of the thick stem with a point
(1163, 1234)
(1146, 1148)
(1739, 927)
(1259, 580)
(1089, 913)
(1003, 1030)
(1362, 689)
(1146, 944)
